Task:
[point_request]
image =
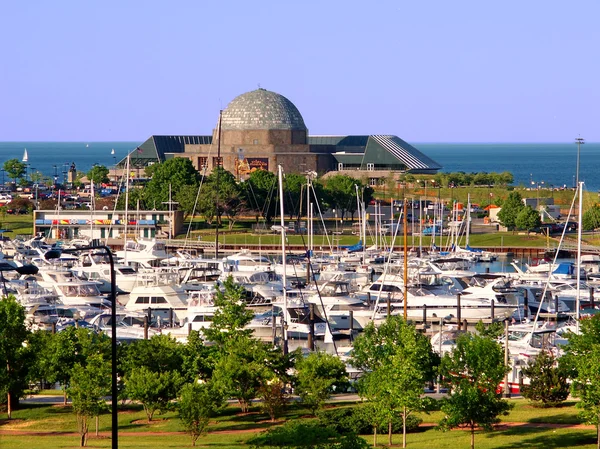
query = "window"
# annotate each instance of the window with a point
(143, 300)
(372, 181)
(370, 166)
(255, 141)
(340, 166)
(158, 300)
(217, 161)
(202, 163)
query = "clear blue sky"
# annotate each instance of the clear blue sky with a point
(427, 71)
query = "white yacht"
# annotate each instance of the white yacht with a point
(73, 292)
(162, 300)
(95, 266)
(143, 252)
(246, 261)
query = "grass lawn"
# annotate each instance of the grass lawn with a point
(17, 224)
(232, 429)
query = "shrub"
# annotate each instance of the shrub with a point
(355, 420)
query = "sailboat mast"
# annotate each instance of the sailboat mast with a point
(126, 206)
(217, 188)
(580, 221)
(283, 261)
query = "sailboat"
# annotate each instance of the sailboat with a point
(25, 156)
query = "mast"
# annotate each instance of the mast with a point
(580, 221)
(283, 261)
(217, 181)
(126, 207)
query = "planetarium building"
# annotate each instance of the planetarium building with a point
(260, 130)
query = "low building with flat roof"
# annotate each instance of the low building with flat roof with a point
(260, 130)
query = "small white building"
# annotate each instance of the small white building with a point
(97, 224)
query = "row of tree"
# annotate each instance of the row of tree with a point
(396, 361)
(220, 194)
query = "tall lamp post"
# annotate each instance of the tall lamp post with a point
(579, 141)
(55, 254)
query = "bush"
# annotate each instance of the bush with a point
(306, 434)
(356, 420)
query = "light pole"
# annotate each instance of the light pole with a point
(579, 141)
(55, 254)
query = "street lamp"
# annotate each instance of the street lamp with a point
(579, 141)
(55, 254)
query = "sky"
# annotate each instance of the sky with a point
(427, 71)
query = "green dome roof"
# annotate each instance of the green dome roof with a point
(262, 109)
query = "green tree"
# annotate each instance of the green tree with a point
(473, 372)
(582, 359)
(528, 219)
(261, 193)
(240, 371)
(220, 195)
(154, 391)
(548, 381)
(341, 189)
(198, 359)
(293, 187)
(198, 402)
(396, 361)
(591, 218)
(172, 174)
(13, 353)
(14, 169)
(70, 347)
(510, 210)
(89, 385)
(318, 375)
(98, 174)
(231, 316)
(160, 353)
(186, 197)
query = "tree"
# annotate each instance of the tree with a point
(98, 174)
(160, 353)
(510, 209)
(231, 316)
(472, 372)
(261, 193)
(153, 390)
(70, 347)
(273, 397)
(591, 218)
(318, 375)
(170, 175)
(220, 194)
(239, 371)
(341, 189)
(396, 361)
(14, 169)
(89, 385)
(293, 185)
(528, 219)
(548, 381)
(582, 359)
(198, 402)
(13, 335)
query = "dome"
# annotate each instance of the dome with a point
(261, 109)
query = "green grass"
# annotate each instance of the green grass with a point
(166, 431)
(17, 224)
